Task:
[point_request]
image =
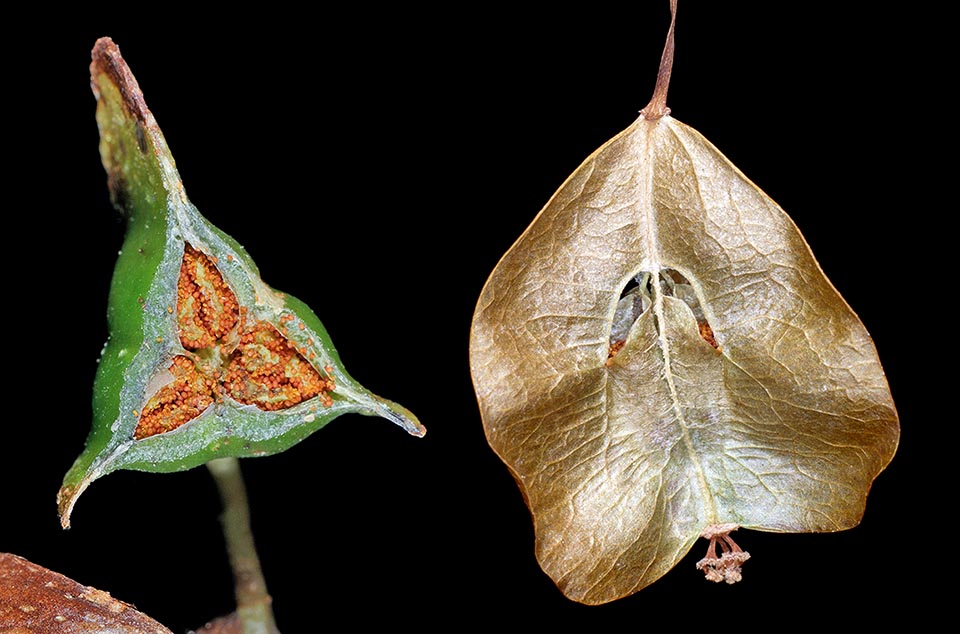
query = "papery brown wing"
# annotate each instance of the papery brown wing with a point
(741, 390)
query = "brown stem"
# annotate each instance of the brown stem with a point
(658, 103)
(732, 545)
(712, 549)
(253, 602)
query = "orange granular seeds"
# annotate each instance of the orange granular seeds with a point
(707, 333)
(177, 402)
(264, 368)
(267, 371)
(615, 347)
(207, 310)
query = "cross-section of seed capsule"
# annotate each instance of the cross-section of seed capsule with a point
(207, 310)
(259, 366)
(181, 400)
(267, 371)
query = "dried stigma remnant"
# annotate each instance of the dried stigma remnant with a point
(726, 567)
(252, 364)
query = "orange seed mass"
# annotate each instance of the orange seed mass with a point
(177, 402)
(268, 371)
(206, 307)
(264, 368)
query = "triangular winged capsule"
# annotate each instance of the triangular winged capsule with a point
(204, 360)
(659, 358)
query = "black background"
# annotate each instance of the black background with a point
(377, 165)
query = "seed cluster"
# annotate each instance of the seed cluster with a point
(267, 371)
(258, 365)
(707, 333)
(177, 402)
(615, 347)
(207, 310)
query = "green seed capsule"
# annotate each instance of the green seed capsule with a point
(204, 360)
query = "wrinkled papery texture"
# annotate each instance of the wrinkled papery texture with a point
(623, 462)
(143, 311)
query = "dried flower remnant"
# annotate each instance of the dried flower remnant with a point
(726, 567)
